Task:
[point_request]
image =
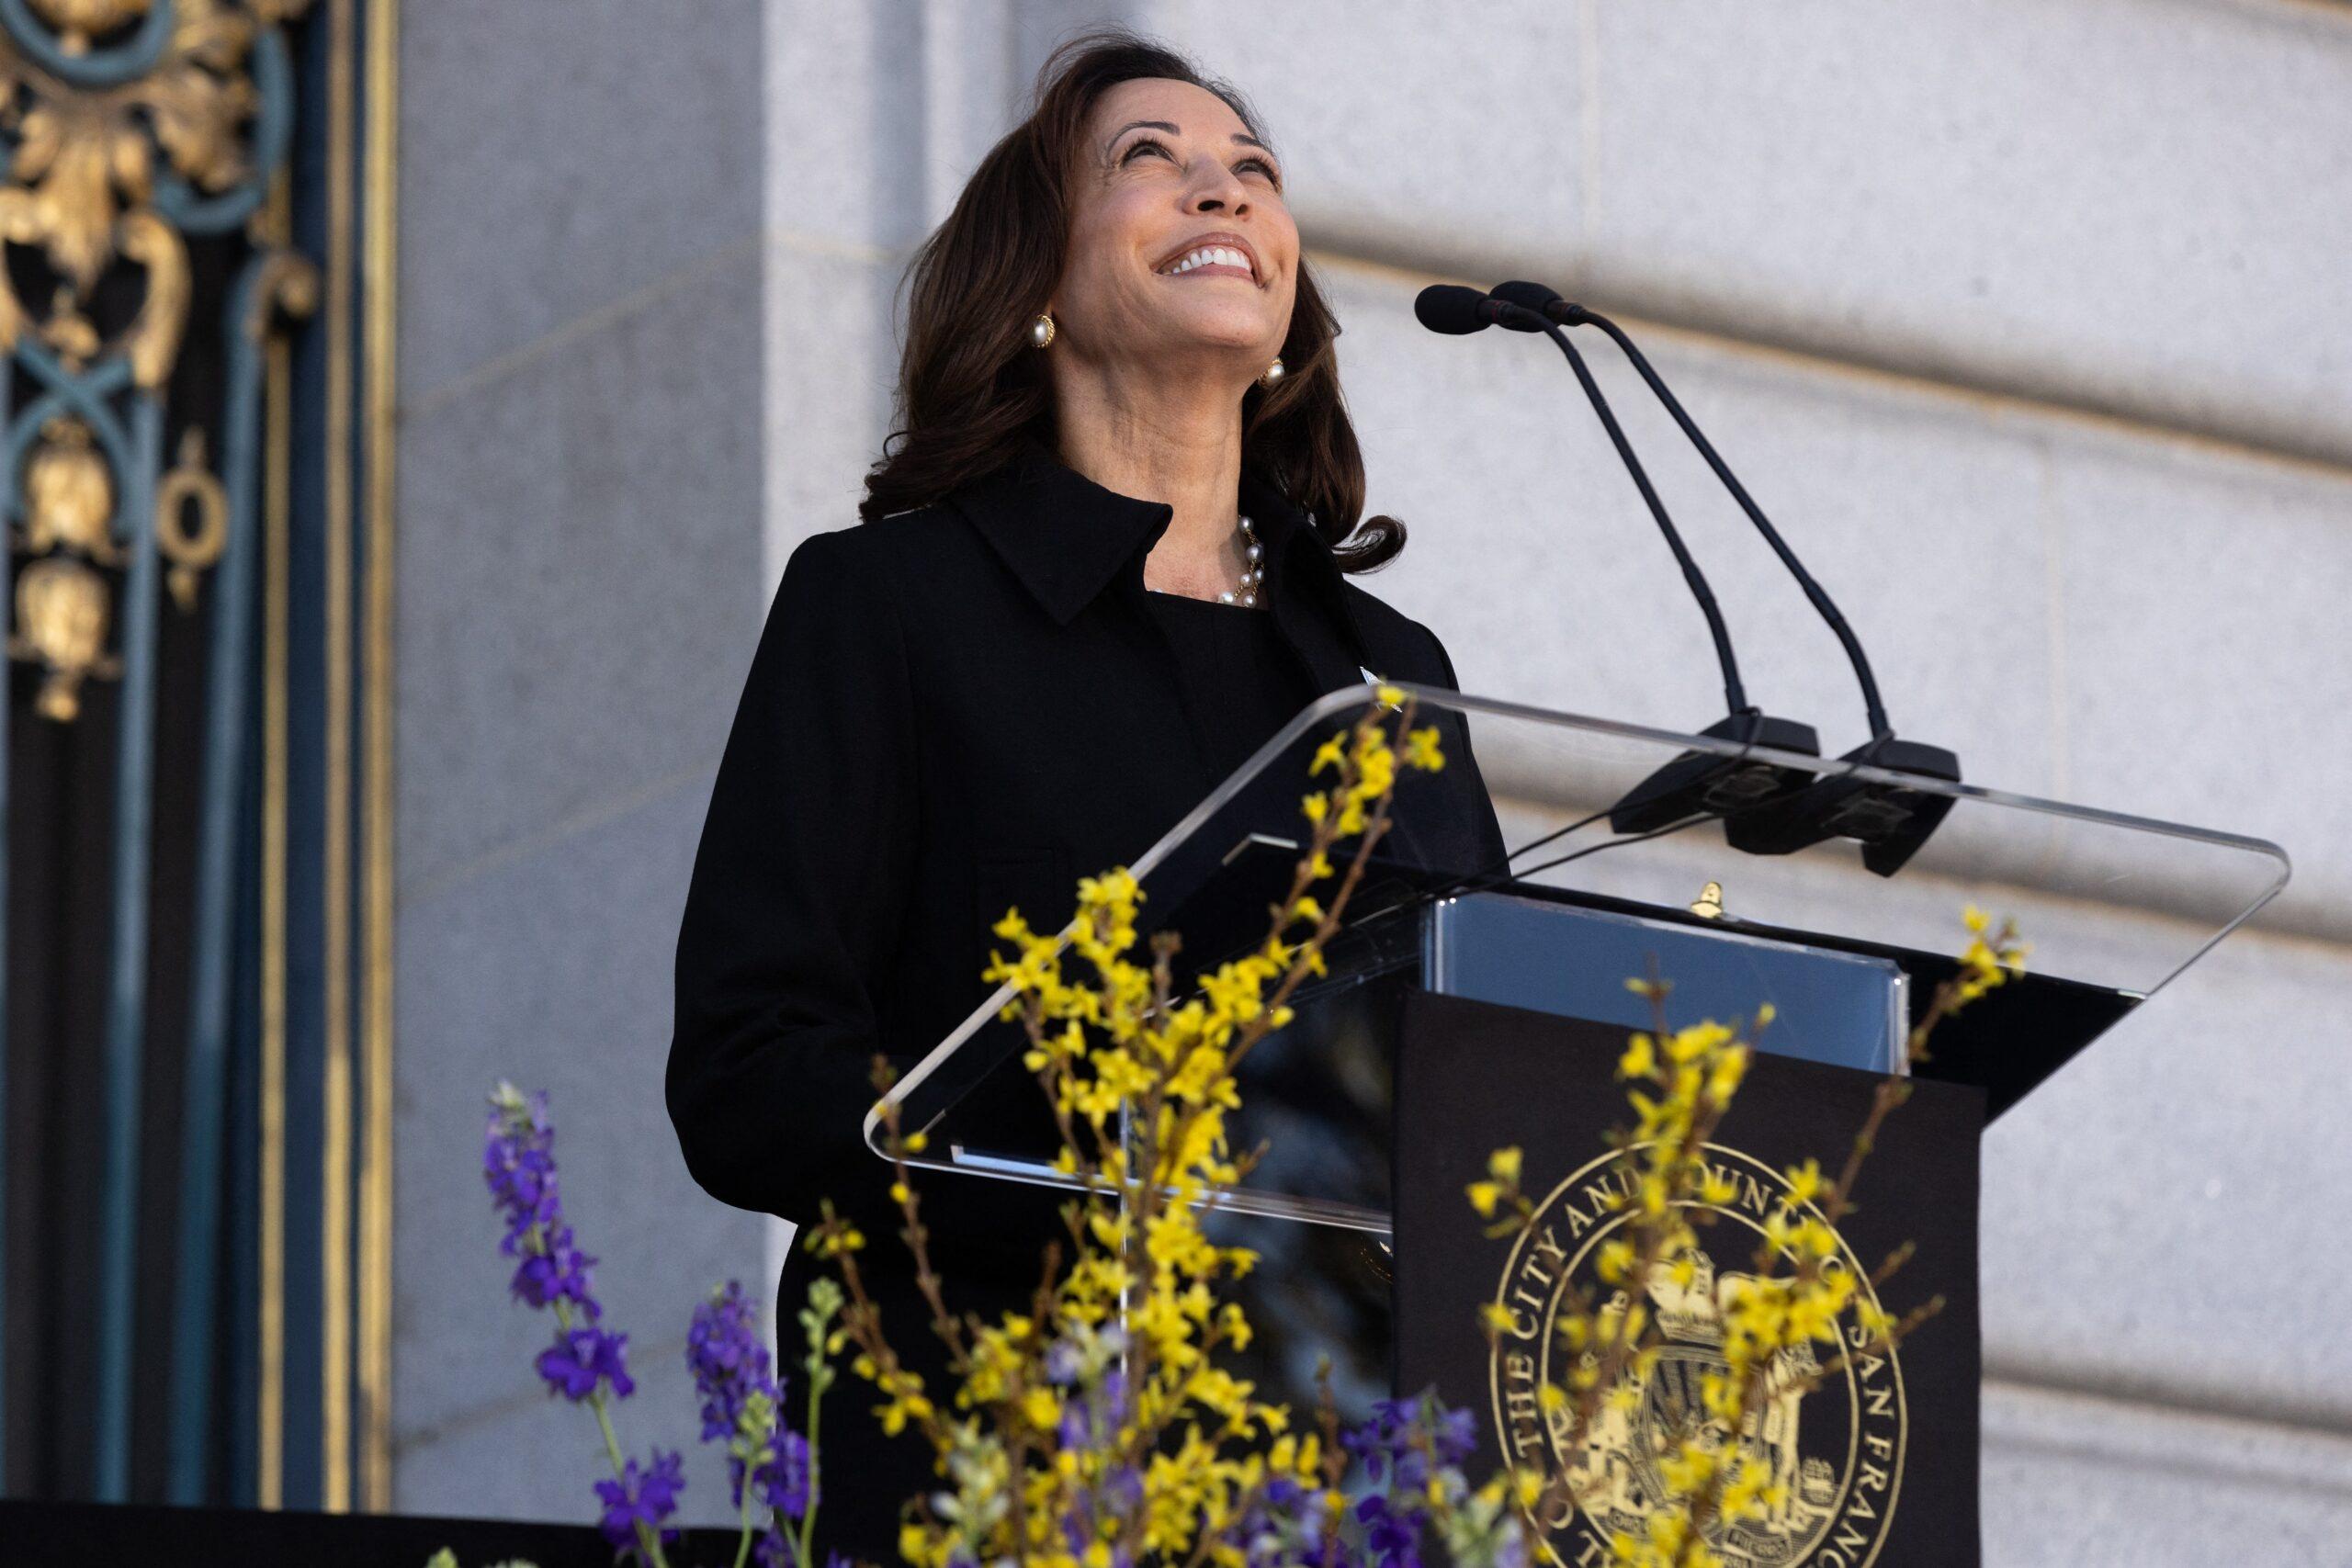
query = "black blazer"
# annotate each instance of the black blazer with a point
(951, 711)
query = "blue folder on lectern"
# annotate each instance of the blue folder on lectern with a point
(1843, 1009)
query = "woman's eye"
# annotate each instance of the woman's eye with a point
(1141, 142)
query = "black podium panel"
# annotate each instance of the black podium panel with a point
(1880, 1460)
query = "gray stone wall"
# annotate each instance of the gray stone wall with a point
(2020, 318)
(579, 567)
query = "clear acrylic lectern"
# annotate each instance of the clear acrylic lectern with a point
(1740, 874)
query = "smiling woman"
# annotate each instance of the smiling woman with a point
(1106, 553)
(1069, 236)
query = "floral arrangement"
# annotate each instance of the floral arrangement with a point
(1096, 1428)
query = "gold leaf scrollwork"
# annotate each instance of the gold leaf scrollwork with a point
(82, 173)
(151, 341)
(93, 172)
(190, 550)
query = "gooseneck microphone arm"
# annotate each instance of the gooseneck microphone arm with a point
(1452, 309)
(1735, 693)
(1572, 314)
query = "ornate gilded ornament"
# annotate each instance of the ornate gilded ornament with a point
(69, 495)
(61, 621)
(79, 22)
(126, 126)
(190, 548)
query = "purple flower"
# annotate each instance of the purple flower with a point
(1391, 1538)
(1403, 1446)
(1456, 1437)
(581, 1359)
(1389, 1444)
(518, 1160)
(729, 1363)
(1122, 1488)
(730, 1367)
(554, 1269)
(1285, 1528)
(1075, 1428)
(782, 1478)
(641, 1498)
(518, 1166)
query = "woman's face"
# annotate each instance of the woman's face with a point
(1165, 167)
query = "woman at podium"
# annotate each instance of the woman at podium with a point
(1107, 553)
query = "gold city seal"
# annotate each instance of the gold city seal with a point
(1836, 1450)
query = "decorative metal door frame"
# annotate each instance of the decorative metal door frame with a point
(258, 137)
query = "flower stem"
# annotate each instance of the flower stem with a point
(646, 1540)
(809, 1514)
(743, 1540)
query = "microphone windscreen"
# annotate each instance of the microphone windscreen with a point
(1527, 296)
(1450, 308)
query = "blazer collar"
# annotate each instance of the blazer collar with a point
(1067, 538)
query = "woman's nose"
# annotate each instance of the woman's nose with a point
(1221, 191)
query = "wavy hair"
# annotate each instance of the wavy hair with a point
(970, 382)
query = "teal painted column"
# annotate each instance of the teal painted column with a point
(127, 965)
(252, 304)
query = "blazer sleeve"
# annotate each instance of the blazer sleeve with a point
(799, 887)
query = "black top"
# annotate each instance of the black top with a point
(1241, 680)
(950, 711)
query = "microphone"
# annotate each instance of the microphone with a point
(1457, 310)
(1890, 822)
(1696, 782)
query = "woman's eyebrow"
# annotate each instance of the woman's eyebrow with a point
(1143, 125)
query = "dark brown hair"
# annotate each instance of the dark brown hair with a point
(970, 382)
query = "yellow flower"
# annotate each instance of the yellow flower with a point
(1640, 1060)
(832, 1241)
(1804, 1182)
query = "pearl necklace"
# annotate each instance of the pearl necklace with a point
(1252, 574)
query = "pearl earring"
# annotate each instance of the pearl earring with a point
(1274, 373)
(1040, 331)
